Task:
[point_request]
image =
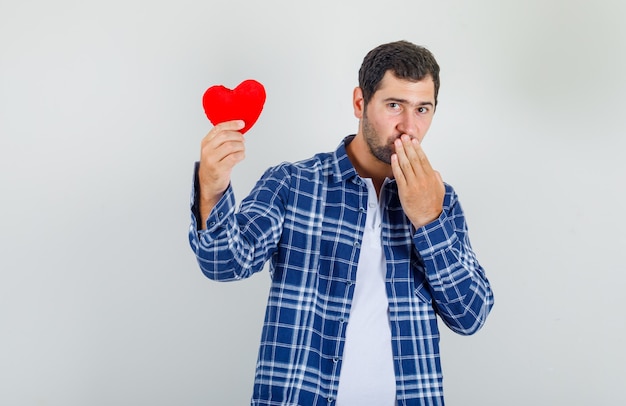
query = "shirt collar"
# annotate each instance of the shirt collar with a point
(342, 167)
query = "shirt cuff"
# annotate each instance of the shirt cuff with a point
(435, 236)
(223, 207)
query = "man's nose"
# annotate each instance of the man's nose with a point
(408, 124)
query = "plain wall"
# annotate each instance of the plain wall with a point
(101, 300)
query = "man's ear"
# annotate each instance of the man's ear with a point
(358, 103)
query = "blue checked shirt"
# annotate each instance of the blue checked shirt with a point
(307, 220)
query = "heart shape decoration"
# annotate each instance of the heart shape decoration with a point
(245, 102)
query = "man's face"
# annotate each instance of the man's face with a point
(398, 107)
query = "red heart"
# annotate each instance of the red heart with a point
(244, 102)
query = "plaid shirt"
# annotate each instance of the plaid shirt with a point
(307, 220)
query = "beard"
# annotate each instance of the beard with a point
(382, 152)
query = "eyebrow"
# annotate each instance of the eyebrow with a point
(404, 101)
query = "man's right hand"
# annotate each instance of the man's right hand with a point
(221, 149)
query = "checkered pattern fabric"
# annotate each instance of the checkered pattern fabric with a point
(307, 220)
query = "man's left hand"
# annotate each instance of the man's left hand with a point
(420, 187)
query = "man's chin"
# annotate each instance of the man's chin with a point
(383, 154)
(385, 159)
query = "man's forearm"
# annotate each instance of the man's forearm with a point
(205, 205)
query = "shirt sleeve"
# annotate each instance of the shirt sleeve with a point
(236, 244)
(458, 283)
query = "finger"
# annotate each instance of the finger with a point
(220, 143)
(398, 175)
(223, 145)
(440, 179)
(225, 127)
(421, 155)
(234, 151)
(410, 151)
(404, 161)
(233, 125)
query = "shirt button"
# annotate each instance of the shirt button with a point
(221, 214)
(336, 360)
(357, 244)
(362, 209)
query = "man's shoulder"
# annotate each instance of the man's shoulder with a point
(315, 165)
(331, 166)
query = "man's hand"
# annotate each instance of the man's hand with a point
(420, 187)
(221, 149)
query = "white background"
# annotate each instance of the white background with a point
(101, 301)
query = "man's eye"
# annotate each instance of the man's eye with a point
(394, 106)
(422, 110)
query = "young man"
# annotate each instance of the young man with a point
(367, 246)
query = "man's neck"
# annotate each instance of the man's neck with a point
(366, 165)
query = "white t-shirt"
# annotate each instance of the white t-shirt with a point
(367, 374)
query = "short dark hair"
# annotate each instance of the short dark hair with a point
(405, 59)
